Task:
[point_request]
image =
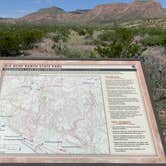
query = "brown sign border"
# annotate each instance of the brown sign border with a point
(160, 158)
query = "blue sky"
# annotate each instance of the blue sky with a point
(18, 8)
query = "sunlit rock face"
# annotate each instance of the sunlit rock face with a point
(106, 13)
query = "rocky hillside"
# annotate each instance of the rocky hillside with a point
(51, 11)
(107, 13)
(143, 9)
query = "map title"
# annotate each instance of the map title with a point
(32, 66)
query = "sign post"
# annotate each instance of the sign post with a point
(76, 112)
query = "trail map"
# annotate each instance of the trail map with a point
(52, 114)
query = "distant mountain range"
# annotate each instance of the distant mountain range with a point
(107, 13)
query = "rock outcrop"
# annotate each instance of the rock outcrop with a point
(107, 13)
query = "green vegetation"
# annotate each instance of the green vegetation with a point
(106, 41)
(163, 125)
(152, 36)
(14, 39)
(117, 43)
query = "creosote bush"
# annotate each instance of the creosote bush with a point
(117, 43)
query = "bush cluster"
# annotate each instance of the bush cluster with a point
(13, 40)
(117, 43)
(110, 41)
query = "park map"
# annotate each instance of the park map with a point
(52, 114)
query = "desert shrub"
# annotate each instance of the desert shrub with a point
(13, 39)
(117, 43)
(10, 44)
(155, 83)
(150, 31)
(65, 51)
(76, 53)
(149, 40)
(29, 37)
(59, 48)
(163, 40)
(59, 37)
(83, 30)
(163, 124)
(75, 38)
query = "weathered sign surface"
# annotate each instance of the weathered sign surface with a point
(76, 111)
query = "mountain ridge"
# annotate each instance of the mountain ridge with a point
(105, 13)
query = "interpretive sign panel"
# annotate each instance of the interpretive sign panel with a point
(76, 111)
